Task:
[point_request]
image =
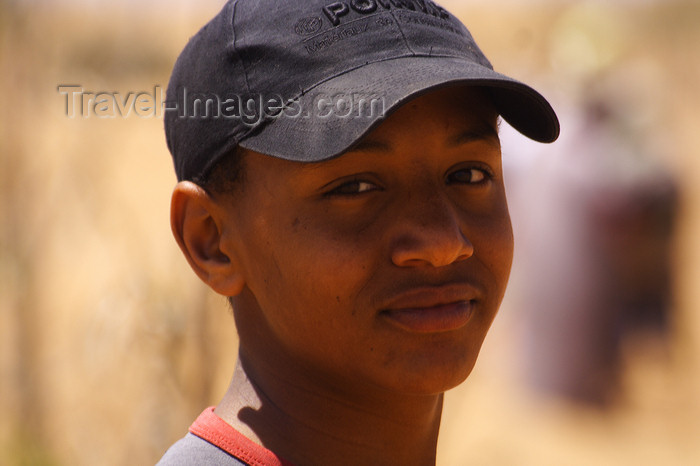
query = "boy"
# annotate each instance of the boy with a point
(340, 180)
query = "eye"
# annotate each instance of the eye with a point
(470, 175)
(352, 188)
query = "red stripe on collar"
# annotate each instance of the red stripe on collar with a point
(218, 432)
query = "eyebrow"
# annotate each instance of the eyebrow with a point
(483, 133)
(369, 146)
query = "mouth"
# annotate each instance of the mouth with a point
(432, 310)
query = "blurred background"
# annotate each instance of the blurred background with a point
(110, 346)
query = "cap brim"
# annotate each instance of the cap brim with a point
(319, 130)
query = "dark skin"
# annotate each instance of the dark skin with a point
(363, 286)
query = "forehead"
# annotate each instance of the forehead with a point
(452, 113)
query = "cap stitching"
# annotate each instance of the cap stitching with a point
(235, 49)
(403, 36)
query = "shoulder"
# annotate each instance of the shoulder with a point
(194, 450)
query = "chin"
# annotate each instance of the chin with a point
(431, 376)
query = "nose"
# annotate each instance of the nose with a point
(430, 233)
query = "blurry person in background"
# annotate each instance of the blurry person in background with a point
(594, 228)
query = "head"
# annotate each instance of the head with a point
(363, 252)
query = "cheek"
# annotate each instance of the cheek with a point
(494, 245)
(311, 300)
(504, 244)
(333, 260)
(310, 274)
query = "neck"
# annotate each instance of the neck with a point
(313, 424)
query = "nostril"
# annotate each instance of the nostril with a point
(422, 248)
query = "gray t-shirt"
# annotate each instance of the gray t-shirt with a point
(192, 450)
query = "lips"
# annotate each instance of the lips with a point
(432, 309)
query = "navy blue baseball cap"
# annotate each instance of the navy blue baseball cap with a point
(305, 80)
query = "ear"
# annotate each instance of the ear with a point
(196, 222)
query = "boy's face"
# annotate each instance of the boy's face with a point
(385, 266)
